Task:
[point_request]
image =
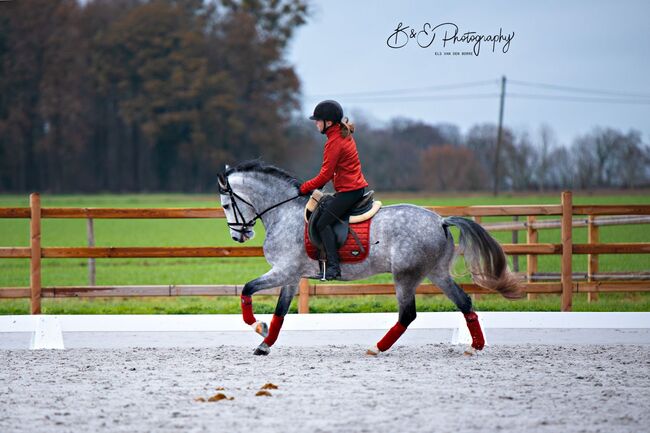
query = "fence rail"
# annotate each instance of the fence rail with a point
(595, 282)
(167, 252)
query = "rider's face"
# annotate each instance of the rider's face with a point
(320, 124)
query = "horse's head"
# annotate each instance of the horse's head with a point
(253, 190)
(240, 213)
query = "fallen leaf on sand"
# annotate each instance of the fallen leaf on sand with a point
(263, 393)
(220, 388)
(220, 396)
(269, 386)
(201, 399)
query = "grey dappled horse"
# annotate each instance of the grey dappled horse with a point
(408, 241)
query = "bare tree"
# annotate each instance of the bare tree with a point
(450, 168)
(562, 171)
(547, 142)
(520, 162)
(586, 162)
(609, 158)
(631, 161)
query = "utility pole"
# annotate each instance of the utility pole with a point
(497, 152)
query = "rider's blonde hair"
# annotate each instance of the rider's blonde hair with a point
(347, 127)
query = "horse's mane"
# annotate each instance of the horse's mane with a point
(259, 166)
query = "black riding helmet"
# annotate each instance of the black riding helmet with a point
(328, 110)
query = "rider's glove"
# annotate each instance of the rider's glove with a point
(303, 192)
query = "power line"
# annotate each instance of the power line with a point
(558, 87)
(370, 93)
(578, 99)
(421, 98)
(578, 89)
(425, 98)
(385, 96)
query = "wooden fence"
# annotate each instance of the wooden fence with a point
(567, 285)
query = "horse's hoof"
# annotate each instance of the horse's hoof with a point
(470, 351)
(261, 328)
(373, 351)
(262, 349)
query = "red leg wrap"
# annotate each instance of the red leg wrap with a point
(475, 330)
(391, 337)
(274, 330)
(247, 309)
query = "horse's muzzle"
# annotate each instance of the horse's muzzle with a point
(243, 237)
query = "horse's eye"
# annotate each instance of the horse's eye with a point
(226, 206)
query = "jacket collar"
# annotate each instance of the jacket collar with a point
(332, 130)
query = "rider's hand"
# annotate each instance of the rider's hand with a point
(303, 192)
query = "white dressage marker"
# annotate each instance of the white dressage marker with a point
(47, 334)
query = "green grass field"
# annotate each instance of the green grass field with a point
(199, 232)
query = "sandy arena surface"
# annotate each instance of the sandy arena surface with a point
(432, 388)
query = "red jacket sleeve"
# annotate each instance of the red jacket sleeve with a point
(331, 155)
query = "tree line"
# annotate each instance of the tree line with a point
(440, 158)
(129, 95)
(158, 95)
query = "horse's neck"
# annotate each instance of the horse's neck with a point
(267, 192)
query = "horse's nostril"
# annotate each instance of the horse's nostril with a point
(234, 238)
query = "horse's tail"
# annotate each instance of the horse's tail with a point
(485, 258)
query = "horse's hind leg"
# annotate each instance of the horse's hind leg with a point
(405, 285)
(281, 309)
(464, 304)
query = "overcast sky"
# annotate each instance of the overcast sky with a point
(598, 45)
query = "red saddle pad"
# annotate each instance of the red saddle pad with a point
(350, 251)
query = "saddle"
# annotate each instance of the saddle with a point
(351, 231)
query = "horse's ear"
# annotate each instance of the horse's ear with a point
(223, 182)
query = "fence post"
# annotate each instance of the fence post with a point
(91, 243)
(567, 250)
(303, 296)
(531, 259)
(515, 240)
(35, 244)
(592, 259)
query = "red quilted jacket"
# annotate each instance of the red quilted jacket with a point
(340, 162)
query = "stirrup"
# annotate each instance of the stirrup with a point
(323, 264)
(332, 278)
(323, 277)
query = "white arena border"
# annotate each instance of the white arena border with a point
(47, 330)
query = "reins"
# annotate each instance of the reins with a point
(240, 221)
(239, 216)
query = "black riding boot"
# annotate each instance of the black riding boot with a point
(333, 269)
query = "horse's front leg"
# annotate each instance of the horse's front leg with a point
(273, 278)
(281, 309)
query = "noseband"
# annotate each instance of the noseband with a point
(240, 221)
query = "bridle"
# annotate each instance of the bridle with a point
(240, 221)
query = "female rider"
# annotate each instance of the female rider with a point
(341, 163)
